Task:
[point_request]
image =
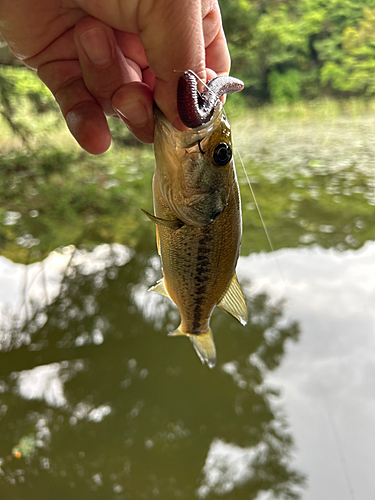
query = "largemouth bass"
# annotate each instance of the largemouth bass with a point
(197, 211)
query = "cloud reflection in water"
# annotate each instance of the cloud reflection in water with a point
(327, 377)
(42, 382)
(228, 466)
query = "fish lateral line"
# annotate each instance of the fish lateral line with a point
(171, 223)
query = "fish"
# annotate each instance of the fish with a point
(197, 212)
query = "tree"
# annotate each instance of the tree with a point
(355, 72)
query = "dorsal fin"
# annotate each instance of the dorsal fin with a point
(171, 223)
(233, 301)
(160, 288)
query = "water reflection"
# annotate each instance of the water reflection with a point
(104, 400)
(327, 377)
(313, 179)
(97, 402)
(42, 382)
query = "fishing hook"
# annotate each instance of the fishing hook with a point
(200, 149)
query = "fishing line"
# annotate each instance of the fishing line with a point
(335, 433)
(260, 216)
(333, 427)
(255, 201)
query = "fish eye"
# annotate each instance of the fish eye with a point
(222, 154)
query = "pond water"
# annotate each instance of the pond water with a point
(96, 402)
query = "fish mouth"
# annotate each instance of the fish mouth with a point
(188, 137)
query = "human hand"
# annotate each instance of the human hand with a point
(107, 57)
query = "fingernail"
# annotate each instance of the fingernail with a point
(96, 45)
(135, 113)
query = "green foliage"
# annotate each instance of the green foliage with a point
(21, 94)
(7, 109)
(301, 48)
(355, 71)
(285, 87)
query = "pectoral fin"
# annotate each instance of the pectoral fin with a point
(160, 288)
(234, 302)
(203, 344)
(171, 223)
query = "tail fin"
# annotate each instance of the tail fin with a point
(203, 344)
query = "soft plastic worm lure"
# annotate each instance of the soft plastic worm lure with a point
(196, 108)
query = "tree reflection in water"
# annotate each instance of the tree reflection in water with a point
(97, 402)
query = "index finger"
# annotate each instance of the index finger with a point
(177, 35)
(217, 53)
(190, 36)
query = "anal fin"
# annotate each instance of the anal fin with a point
(233, 301)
